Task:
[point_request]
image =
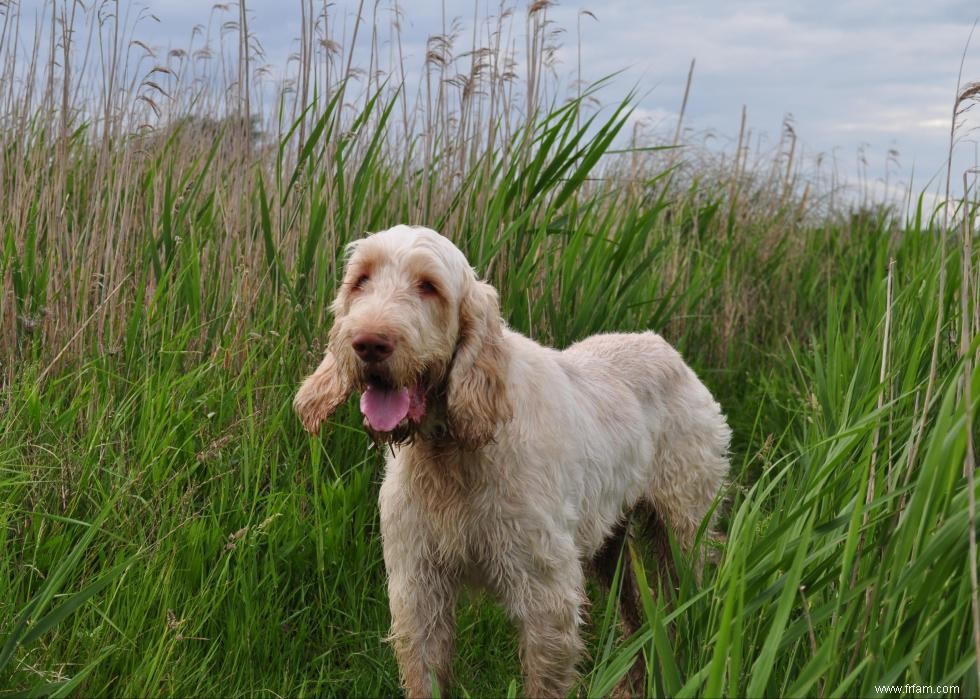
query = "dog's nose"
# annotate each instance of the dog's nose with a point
(372, 347)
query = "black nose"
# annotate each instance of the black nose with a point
(372, 347)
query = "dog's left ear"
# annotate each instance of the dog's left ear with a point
(321, 393)
(476, 399)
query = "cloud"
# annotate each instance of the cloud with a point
(871, 74)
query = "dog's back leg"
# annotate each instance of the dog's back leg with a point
(613, 553)
(604, 565)
(649, 528)
(652, 531)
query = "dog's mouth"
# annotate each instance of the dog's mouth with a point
(386, 406)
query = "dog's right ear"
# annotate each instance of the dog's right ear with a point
(321, 393)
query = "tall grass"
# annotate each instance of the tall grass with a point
(169, 242)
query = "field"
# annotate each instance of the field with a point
(166, 267)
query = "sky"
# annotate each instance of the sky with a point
(870, 80)
(865, 76)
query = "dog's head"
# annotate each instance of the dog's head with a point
(419, 336)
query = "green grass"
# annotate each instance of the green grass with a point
(168, 529)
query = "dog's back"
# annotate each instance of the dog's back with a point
(689, 431)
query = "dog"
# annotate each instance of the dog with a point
(512, 466)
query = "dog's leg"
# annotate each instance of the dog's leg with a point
(604, 565)
(423, 624)
(687, 479)
(550, 648)
(650, 526)
(547, 605)
(422, 588)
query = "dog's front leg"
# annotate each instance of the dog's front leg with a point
(550, 648)
(423, 624)
(547, 603)
(422, 595)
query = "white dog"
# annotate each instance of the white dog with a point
(512, 465)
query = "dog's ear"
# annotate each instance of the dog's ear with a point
(321, 393)
(476, 399)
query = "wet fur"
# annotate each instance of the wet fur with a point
(527, 464)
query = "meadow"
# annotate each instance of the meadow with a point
(171, 235)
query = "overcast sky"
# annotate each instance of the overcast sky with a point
(872, 74)
(876, 75)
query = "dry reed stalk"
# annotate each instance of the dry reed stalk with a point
(675, 142)
(969, 459)
(962, 94)
(870, 491)
(740, 155)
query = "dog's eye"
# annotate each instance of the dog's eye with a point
(427, 288)
(361, 281)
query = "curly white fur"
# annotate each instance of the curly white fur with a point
(526, 460)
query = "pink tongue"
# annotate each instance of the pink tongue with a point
(385, 408)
